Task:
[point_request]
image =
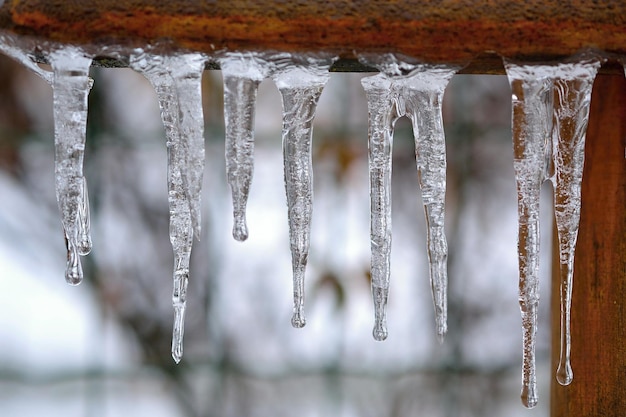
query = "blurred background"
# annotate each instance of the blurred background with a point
(103, 348)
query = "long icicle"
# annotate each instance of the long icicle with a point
(242, 75)
(186, 71)
(71, 85)
(532, 100)
(383, 114)
(300, 89)
(157, 70)
(422, 95)
(572, 99)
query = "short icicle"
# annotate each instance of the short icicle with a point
(383, 114)
(532, 100)
(157, 70)
(242, 75)
(300, 88)
(71, 85)
(571, 100)
(421, 93)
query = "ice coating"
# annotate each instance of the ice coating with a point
(158, 70)
(382, 115)
(571, 114)
(71, 85)
(242, 74)
(532, 102)
(415, 90)
(300, 88)
(17, 48)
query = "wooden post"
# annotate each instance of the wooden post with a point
(599, 292)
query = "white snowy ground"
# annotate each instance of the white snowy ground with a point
(55, 339)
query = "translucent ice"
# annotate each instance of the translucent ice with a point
(71, 85)
(186, 71)
(18, 48)
(300, 87)
(160, 71)
(242, 74)
(422, 97)
(571, 100)
(383, 114)
(550, 114)
(532, 92)
(415, 90)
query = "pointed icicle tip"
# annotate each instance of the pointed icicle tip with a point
(177, 340)
(441, 335)
(177, 355)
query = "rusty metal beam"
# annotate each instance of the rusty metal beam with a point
(451, 31)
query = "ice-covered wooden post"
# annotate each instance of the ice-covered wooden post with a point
(448, 31)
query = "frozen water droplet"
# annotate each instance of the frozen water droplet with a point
(529, 395)
(572, 99)
(74, 269)
(242, 74)
(300, 88)
(298, 320)
(564, 373)
(380, 296)
(532, 99)
(382, 117)
(71, 85)
(181, 278)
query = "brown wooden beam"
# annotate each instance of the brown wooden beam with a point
(599, 292)
(435, 31)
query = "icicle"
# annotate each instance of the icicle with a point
(71, 85)
(415, 90)
(422, 96)
(158, 70)
(300, 88)
(532, 92)
(242, 74)
(383, 114)
(572, 98)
